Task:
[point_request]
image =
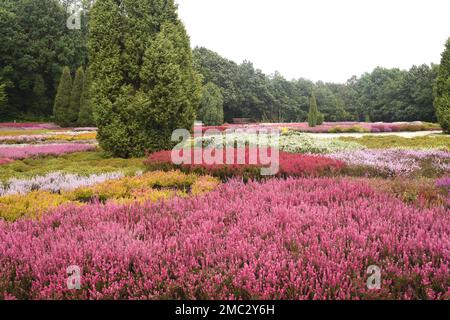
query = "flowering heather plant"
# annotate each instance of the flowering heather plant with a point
(291, 141)
(306, 239)
(444, 183)
(28, 125)
(31, 205)
(23, 139)
(55, 182)
(152, 186)
(421, 192)
(86, 129)
(347, 126)
(295, 142)
(440, 142)
(289, 164)
(28, 151)
(5, 161)
(54, 136)
(396, 162)
(140, 187)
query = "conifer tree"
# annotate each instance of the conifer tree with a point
(313, 112)
(143, 83)
(442, 102)
(75, 97)
(86, 116)
(62, 99)
(211, 106)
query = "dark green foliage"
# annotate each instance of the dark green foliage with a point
(86, 116)
(40, 96)
(313, 112)
(320, 118)
(62, 100)
(3, 97)
(442, 102)
(211, 107)
(383, 95)
(143, 84)
(35, 45)
(75, 97)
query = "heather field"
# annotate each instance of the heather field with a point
(149, 228)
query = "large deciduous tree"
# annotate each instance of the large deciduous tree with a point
(442, 102)
(143, 82)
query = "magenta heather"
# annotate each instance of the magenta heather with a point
(28, 151)
(306, 239)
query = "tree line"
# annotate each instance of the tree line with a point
(381, 95)
(141, 65)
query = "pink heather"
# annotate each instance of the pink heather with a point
(28, 151)
(307, 238)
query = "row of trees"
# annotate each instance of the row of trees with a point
(72, 104)
(382, 95)
(145, 82)
(36, 45)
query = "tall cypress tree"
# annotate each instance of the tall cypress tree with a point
(86, 116)
(313, 111)
(62, 99)
(143, 83)
(75, 97)
(442, 102)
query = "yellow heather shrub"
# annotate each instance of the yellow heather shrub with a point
(204, 184)
(124, 188)
(147, 195)
(79, 137)
(151, 186)
(31, 205)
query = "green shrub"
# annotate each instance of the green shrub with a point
(211, 107)
(62, 99)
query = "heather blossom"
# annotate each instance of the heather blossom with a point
(445, 184)
(55, 182)
(395, 161)
(28, 151)
(305, 239)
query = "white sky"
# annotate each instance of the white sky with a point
(328, 40)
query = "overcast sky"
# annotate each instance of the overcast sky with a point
(328, 40)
